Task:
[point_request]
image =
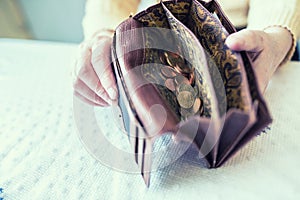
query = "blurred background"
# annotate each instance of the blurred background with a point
(52, 20)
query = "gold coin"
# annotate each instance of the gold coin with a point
(171, 58)
(192, 78)
(169, 83)
(183, 67)
(197, 105)
(168, 72)
(163, 60)
(173, 55)
(185, 99)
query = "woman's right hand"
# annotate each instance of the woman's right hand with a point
(95, 82)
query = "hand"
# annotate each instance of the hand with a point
(268, 48)
(95, 82)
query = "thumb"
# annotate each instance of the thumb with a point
(246, 40)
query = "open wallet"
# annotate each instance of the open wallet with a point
(176, 76)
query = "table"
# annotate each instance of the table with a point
(42, 157)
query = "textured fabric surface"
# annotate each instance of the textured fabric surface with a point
(42, 157)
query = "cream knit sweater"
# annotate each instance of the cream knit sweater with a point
(256, 14)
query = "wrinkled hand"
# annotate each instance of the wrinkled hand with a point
(95, 82)
(268, 49)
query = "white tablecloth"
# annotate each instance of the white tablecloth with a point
(41, 156)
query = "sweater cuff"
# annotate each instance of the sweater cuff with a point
(285, 14)
(292, 49)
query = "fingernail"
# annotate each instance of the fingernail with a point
(112, 93)
(228, 41)
(235, 42)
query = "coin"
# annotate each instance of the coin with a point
(185, 99)
(168, 72)
(173, 55)
(192, 78)
(196, 90)
(171, 58)
(163, 58)
(183, 67)
(179, 79)
(169, 83)
(197, 105)
(186, 87)
(185, 113)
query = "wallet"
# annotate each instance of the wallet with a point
(176, 76)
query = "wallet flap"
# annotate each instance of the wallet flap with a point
(175, 74)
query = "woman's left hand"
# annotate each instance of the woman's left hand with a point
(268, 48)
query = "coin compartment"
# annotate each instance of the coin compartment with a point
(220, 59)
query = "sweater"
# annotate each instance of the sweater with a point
(255, 14)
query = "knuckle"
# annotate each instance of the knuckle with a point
(75, 94)
(98, 44)
(97, 59)
(82, 46)
(81, 67)
(107, 80)
(99, 89)
(77, 67)
(106, 72)
(261, 38)
(84, 72)
(76, 84)
(252, 34)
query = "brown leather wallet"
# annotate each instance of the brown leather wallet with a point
(176, 75)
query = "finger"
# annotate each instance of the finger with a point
(85, 100)
(101, 61)
(81, 88)
(82, 52)
(246, 40)
(89, 76)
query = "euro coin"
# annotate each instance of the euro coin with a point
(186, 87)
(197, 105)
(179, 79)
(185, 99)
(169, 83)
(168, 72)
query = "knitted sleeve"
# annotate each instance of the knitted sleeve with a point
(284, 13)
(106, 14)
